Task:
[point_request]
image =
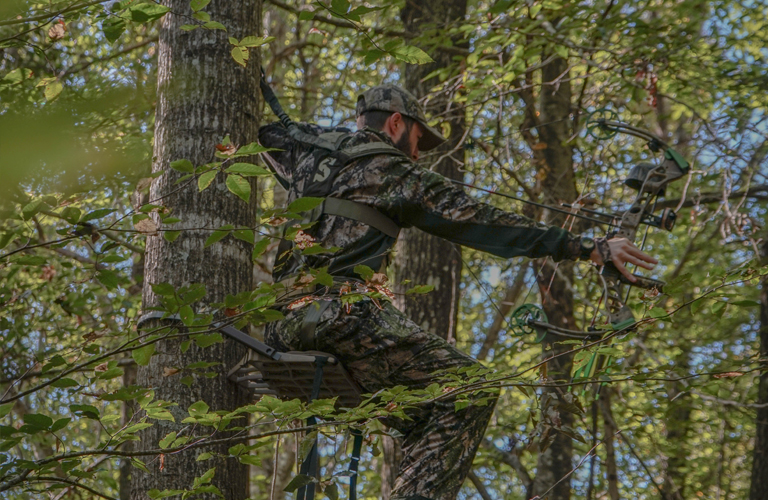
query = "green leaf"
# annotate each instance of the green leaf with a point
(244, 235)
(411, 55)
(420, 289)
(306, 15)
(6, 409)
(147, 12)
(254, 41)
(30, 260)
(71, 214)
(60, 424)
(183, 166)
(38, 420)
(16, 76)
(163, 289)
(372, 55)
(252, 149)
(364, 272)
(304, 204)
(239, 186)
(170, 236)
(718, 308)
(298, 481)
(340, 7)
(109, 279)
(188, 27)
(143, 354)
(87, 411)
(206, 179)
(112, 27)
(205, 340)
(52, 90)
(332, 492)
(187, 315)
(317, 249)
(65, 382)
(198, 409)
(248, 170)
(249, 460)
(204, 456)
(214, 25)
(240, 55)
(198, 4)
(259, 248)
(142, 466)
(216, 236)
(205, 478)
(167, 440)
(202, 16)
(745, 303)
(96, 214)
(535, 9)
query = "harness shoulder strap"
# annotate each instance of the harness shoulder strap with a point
(372, 149)
(363, 213)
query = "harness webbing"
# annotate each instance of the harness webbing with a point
(362, 213)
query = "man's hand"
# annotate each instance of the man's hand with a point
(624, 252)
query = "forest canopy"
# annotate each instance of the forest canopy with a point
(93, 94)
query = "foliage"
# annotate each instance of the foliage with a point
(77, 87)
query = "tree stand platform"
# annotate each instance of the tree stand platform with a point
(303, 375)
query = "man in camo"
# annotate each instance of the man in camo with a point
(376, 343)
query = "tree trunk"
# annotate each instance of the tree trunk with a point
(422, 258)
(558, 185)
(758, 489)
(203, 95)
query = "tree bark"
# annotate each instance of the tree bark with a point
(759, 485)
(203, 95)
(609, 432)
(558, 185)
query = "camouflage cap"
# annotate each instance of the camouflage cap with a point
(397, 100)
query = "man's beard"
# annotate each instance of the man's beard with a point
(404, 142)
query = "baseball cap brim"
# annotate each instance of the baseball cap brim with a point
(431, 138)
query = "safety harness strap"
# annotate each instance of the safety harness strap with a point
(308, 326)
(363, 213)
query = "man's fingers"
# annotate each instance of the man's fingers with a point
(623, 270)
(636, 252)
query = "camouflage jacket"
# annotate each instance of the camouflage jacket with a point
(411, 196)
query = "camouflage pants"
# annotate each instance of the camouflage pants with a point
(383, 348)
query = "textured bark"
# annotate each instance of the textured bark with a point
(758, 489)
(677, 424)
(202, 96)
(420, 257)
(609, 432)
(558, 185)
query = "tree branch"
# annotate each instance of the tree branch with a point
(50, 15)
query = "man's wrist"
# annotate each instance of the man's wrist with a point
(586, 247)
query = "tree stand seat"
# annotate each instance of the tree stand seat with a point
(304, 375)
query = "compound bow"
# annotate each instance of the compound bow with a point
(650, 182)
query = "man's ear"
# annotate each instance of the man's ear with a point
(392, 125)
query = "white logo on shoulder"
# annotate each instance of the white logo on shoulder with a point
(323, 169)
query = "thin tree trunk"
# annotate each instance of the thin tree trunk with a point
(203, 95)
(558, 185)
(609, 431)
(758, 489)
